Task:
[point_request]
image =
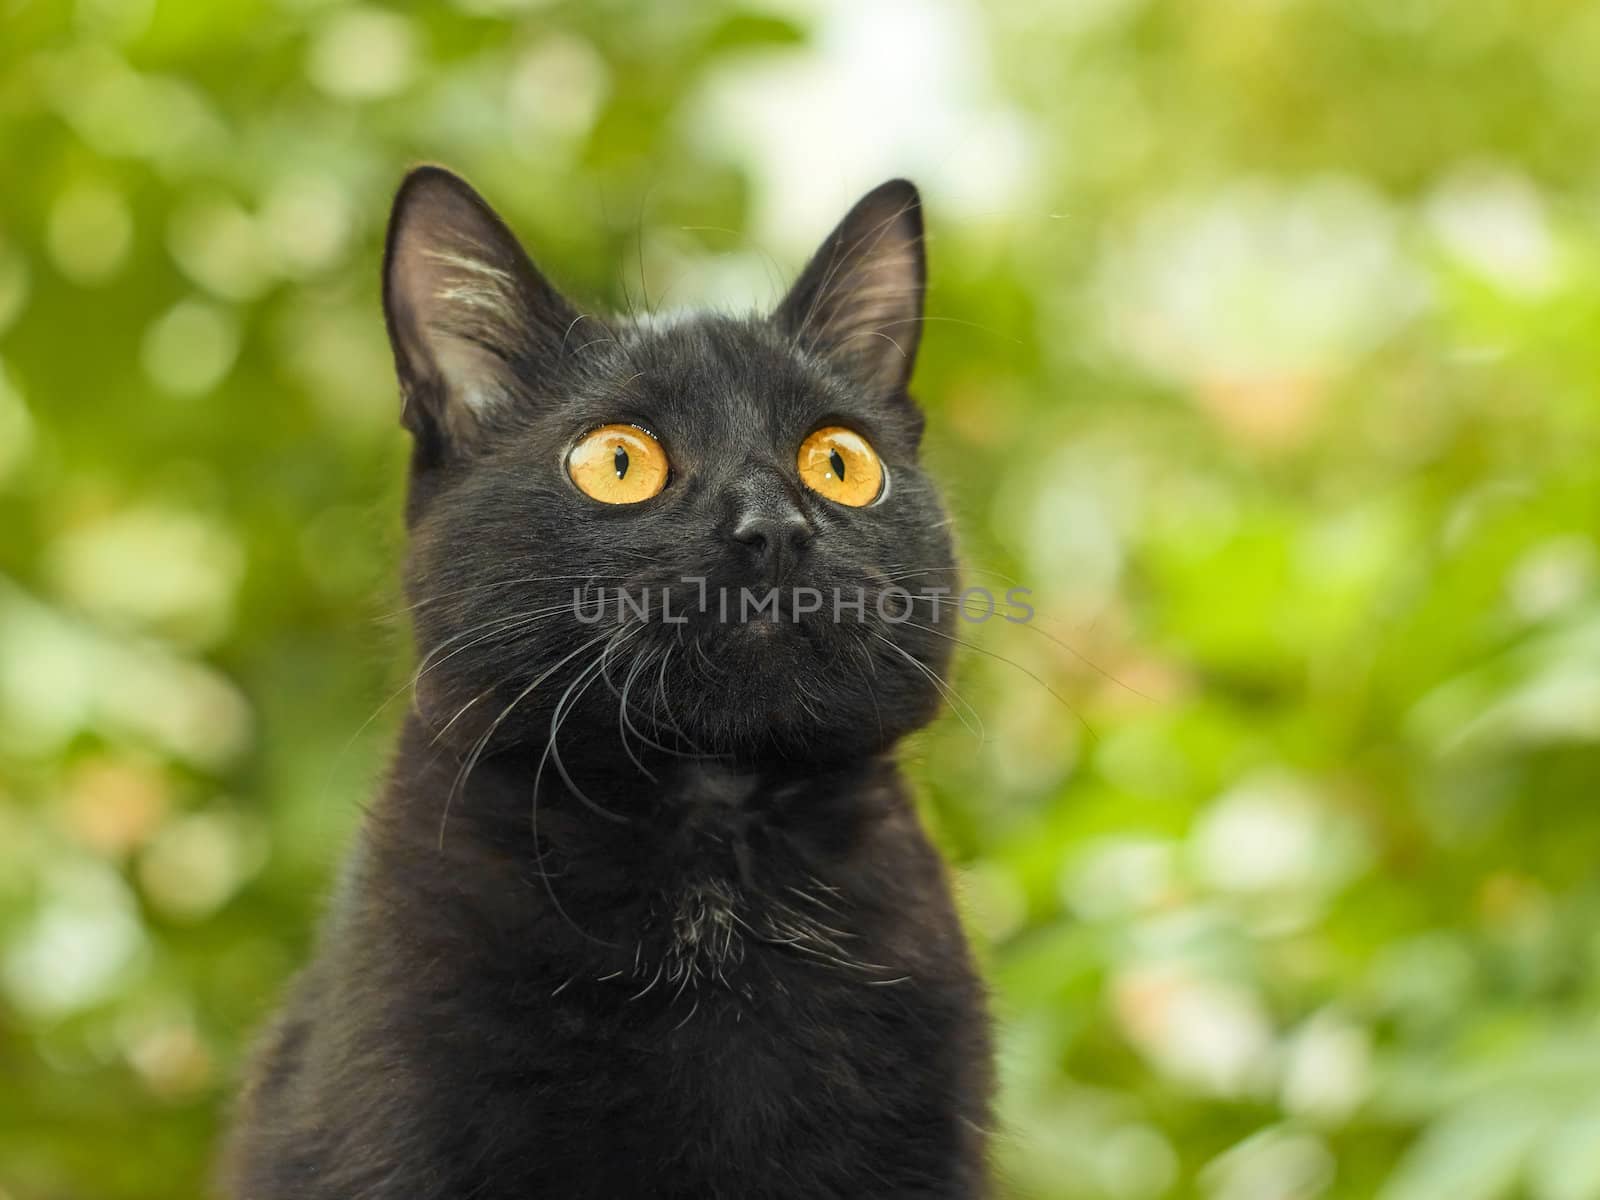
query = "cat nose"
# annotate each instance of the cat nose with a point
(774, 538)
(765, 532)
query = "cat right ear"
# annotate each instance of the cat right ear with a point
(471, 320)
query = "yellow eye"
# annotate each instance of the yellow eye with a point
(842, 465)
(618, 464)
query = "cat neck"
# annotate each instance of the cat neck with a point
(632, 773)
(592, 857)
(519, 802)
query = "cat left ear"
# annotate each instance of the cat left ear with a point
(858, 303)
(469, 315)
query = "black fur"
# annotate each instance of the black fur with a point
(643, 909)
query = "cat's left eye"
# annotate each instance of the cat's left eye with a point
(618, 464)
(842, 465)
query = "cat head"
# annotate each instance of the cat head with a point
(684, 533)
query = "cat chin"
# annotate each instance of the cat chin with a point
(808, 689)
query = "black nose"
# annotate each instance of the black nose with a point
(773, 539)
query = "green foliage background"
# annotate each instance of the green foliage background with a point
(1265, 351)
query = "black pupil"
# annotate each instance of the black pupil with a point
(620, 461)
(838, 465)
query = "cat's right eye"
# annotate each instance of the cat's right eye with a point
(618, 464)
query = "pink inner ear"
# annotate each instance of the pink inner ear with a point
(469, 314)
(870, 318)
(457, 308)
(878, 296)
(859, 301)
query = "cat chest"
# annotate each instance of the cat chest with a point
(725, 941)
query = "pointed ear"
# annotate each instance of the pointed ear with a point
(468, 314)
(858, 303)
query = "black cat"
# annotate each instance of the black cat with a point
(644, 908)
